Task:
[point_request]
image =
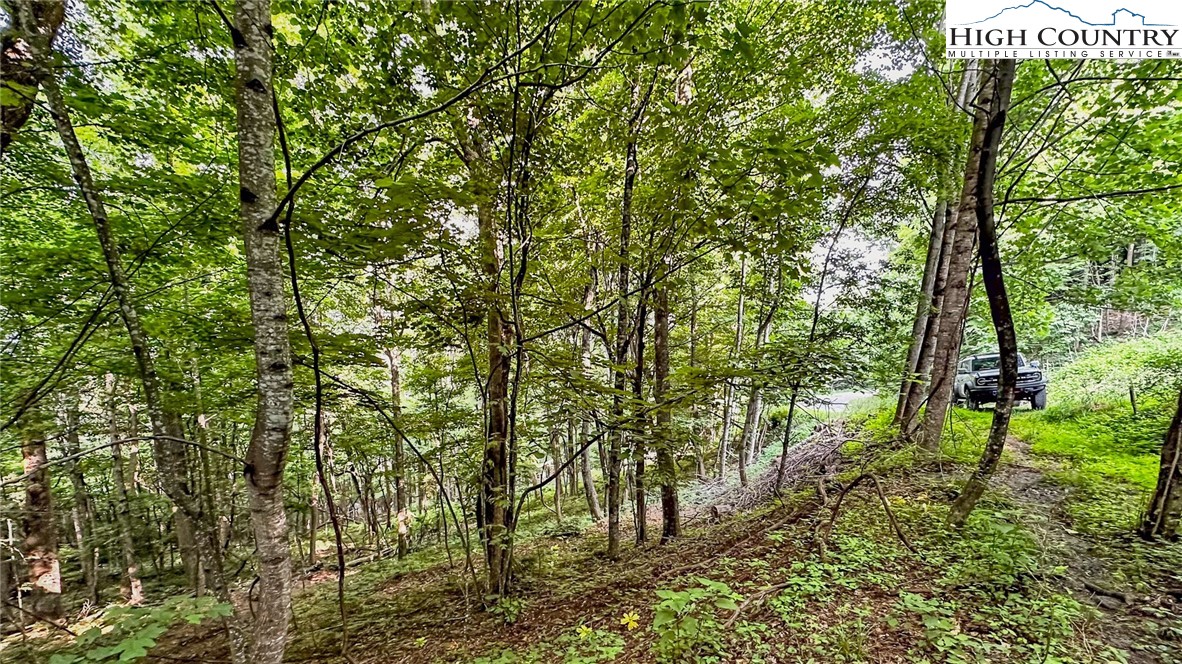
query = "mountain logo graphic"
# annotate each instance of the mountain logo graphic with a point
(1120, 13)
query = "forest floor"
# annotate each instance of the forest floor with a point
(1043, 572)
(1046, 570)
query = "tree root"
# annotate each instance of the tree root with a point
(824, 529)
(757, 597)
(1100, 590)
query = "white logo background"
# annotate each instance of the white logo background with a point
(1063, 13)
(1106, 29)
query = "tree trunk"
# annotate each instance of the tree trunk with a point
(83, 510)
(40, 531)
(133, 588)
(935, 271)
(493, 502)
(917, 389)
(266, 455)
(995, 102)
(403, 519)
(956, 291)
(639, 404)
(186, 539)
(727, 390)
(313, 522)
(1163, 518)
(927, 294)
(556, 463)
(585, 420)
(623, 329)
(749, 438)
(19, 73)
(663, 437)
(750, 426)
(923, 344)
(569, 445)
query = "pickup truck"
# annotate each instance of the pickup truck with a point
(977, 376)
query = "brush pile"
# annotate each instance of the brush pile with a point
(814, 457)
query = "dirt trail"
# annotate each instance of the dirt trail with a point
(1138, 625)
(1024, 477)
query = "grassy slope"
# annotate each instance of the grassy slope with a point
(1008, 588)
(1004, 589)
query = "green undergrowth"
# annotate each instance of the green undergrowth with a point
(968, 596)
(1105, 454)
(1109, 411)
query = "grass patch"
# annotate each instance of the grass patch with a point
(1106, 440)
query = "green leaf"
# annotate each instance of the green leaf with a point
(726, 603)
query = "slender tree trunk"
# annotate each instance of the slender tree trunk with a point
(133, 450)
(83, 505)
(7, 572)
(133, 588)
(556, 461)
(40, 531)
(1163, 518)
(663, 438)
(917, 389)
(701, 442)
(727, 390)
(748, 437)
(570, 444)
(755, 397)
(495, 483)
(996, 99)
(313, 522)
(266, 455)
(639, 404)
(403, 520)
(585, 420)
(923, 312)
(493, 502)
(210, 500)
(623, 329)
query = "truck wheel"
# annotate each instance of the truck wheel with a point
(1039, 402)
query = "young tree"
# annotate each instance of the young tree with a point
(994, 105)
(266, 456)
(133, 587)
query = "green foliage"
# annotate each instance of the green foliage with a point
(584, 645)
(507, 609)
(1104, 374)
(1107, 454)
(135, 630)
(1107, 440)
(992, 549)
(988, 604)
(686, 622)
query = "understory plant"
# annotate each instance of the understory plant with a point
(686, 622)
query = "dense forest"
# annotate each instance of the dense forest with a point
(582, 331)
